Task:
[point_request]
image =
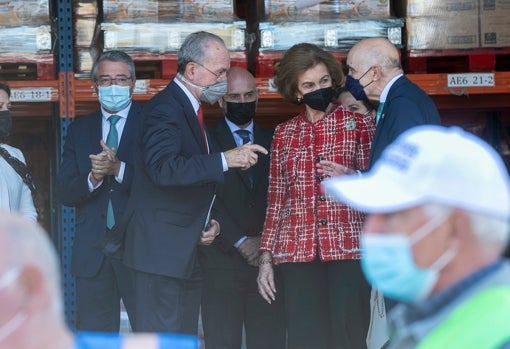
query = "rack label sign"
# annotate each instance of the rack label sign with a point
(42, 94)
(471, 80)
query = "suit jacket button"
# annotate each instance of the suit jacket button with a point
(322, 198)
(323, 221)
(320, 178)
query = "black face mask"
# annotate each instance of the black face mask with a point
(240, 113)
(5, 123)
(319, 99)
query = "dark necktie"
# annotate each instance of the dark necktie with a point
(200, 117)
(245, 136)
(112, 140)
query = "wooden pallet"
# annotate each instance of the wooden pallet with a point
(456, 61)
(27, 67)
(164, 66)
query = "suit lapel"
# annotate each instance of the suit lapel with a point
(96, 133)
(189, 113)
(129, 130)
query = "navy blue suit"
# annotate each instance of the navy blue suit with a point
(174, 183)
(97, 306)
(406, 106)
(230, 295)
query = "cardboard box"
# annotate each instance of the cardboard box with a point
(448, 32)
(495, 29)
(494, 6)
(279, 11)
(419, 8)
(345, 9)
(209, 11)
(24, 12)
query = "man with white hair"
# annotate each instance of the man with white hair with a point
(439, 205)
(31, 311)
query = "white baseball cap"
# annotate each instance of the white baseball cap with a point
(430, 164)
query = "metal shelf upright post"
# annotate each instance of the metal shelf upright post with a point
(65, 215)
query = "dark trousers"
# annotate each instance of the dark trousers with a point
(327, 305)
(230, 300)
(167, 304)
(98, 298)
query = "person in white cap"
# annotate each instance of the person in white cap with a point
(439, 205)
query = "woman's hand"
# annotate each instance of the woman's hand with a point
(265, 279)
(332, 169)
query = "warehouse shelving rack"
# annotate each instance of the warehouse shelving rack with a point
(67, 93)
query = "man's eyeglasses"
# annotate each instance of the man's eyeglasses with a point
(120, 80)
(219, 75)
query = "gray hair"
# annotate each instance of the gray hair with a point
(26, 243)
(194, 48)
(492, 229)
(113, 56)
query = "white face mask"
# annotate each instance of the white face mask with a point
(11, 325)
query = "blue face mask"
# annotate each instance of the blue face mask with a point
(114, 97)
(355, 87)
(388, 263)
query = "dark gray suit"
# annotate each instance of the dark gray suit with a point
(230, 294)
(101, 296)
(174, 183)
(406, 106)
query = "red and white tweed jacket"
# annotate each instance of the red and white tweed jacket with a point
(301, 221)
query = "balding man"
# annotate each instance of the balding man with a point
(31, 309)
(439, 205)
(375, 74)
(230, 299)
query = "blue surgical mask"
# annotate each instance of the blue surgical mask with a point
(388, 263)
(356, 88)
(114, 97)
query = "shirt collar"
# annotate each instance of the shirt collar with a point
(122, 113)
(386, 89)
(194, 101)
(233, 127)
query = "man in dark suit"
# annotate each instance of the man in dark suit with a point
(174, 185)
(375, 74)
(95, 177)
(230, 264)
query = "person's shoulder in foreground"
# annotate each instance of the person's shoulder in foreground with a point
(439, 206)
(94, 340)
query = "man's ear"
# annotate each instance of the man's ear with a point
(378, 73)
(190, 71)
(34, 288)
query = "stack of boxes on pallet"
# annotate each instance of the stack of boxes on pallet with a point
(152, 31)
(335, 25)
(446, 36)
(456, 24)
(26, 41)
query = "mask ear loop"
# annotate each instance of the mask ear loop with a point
(425, 229)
